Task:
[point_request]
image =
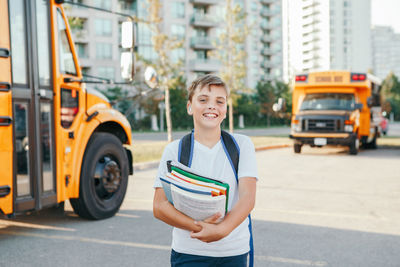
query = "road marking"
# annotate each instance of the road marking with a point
(292, 261)
(127, 215)
(7, 223)
(88, 240)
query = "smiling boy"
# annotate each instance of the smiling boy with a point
(212, 242)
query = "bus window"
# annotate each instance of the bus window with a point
(69, 106)
(18, 42)
(67, 65)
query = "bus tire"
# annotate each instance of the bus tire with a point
(354, 146)
(104, 178)
(297, 148)
(373, 144)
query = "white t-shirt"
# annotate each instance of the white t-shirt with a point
(213, 162)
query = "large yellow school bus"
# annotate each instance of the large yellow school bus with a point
(336, 108)
(58, 140)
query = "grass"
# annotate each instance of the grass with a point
(387, 141)
(144, 151)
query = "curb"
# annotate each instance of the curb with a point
(144, 166)
(262, 148)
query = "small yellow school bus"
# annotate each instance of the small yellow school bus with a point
(336, 108)
(58, 140)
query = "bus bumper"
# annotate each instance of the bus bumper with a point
(341, 139)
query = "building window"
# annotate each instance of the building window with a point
(103, 51)
(147, 52)
(82, 50)
(144, 34)
(201, 54)
(178, 54)
(106, 72)
(178, 30)
(103, 27)
(106, 4)
(178, 10)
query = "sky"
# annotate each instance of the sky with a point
(386, 13)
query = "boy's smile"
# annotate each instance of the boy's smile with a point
(208, 106)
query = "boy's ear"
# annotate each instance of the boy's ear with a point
(189, 108)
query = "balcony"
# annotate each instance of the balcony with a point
(266, 39)
(268, 2)
(267, 52)
(265, 12)
(204, 65)
(266, 26)
(267, 64)
(203, 20)
(201, 43)
(205, 2)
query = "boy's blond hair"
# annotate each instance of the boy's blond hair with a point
(203, 81)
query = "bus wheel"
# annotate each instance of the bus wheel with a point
(104, 178)
(354, 146)
(373, 144)
(297, 148)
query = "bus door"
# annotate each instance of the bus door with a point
(6, 148)
(32, 104)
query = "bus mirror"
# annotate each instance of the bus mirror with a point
(127, 68)
(150, 77)
(358, 106)
(127, 34)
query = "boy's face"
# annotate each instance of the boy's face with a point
(208, 106)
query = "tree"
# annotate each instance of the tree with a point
(391, 95)
(266, 98)
(268, 93)
(168, 72)
(230, 52)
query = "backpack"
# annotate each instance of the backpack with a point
(232, 151)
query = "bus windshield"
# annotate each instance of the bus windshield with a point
(328, 101)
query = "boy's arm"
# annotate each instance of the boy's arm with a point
(214, 232)
(166, 212)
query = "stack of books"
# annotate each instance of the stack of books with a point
(195, 195)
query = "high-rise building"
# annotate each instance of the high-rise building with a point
(198, 22)
(385, 51)
(270, 27)
(327, 34)
(97, 36)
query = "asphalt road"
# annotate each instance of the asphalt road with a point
(320, 208)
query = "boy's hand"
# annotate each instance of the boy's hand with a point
(210, 232)
(213, 219)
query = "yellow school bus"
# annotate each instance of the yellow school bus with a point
(336, 108)
(58, 139)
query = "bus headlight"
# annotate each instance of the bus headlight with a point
(348, 128)
(296, 126)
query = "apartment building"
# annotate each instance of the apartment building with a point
(327, 34)
(97, 36)
(385, 51)
(197, 22)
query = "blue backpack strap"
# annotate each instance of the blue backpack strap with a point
(232, 151)
(185, 152)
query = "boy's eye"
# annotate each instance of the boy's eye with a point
(221, 102)
(202, 100)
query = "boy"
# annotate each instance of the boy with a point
(212, 242)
